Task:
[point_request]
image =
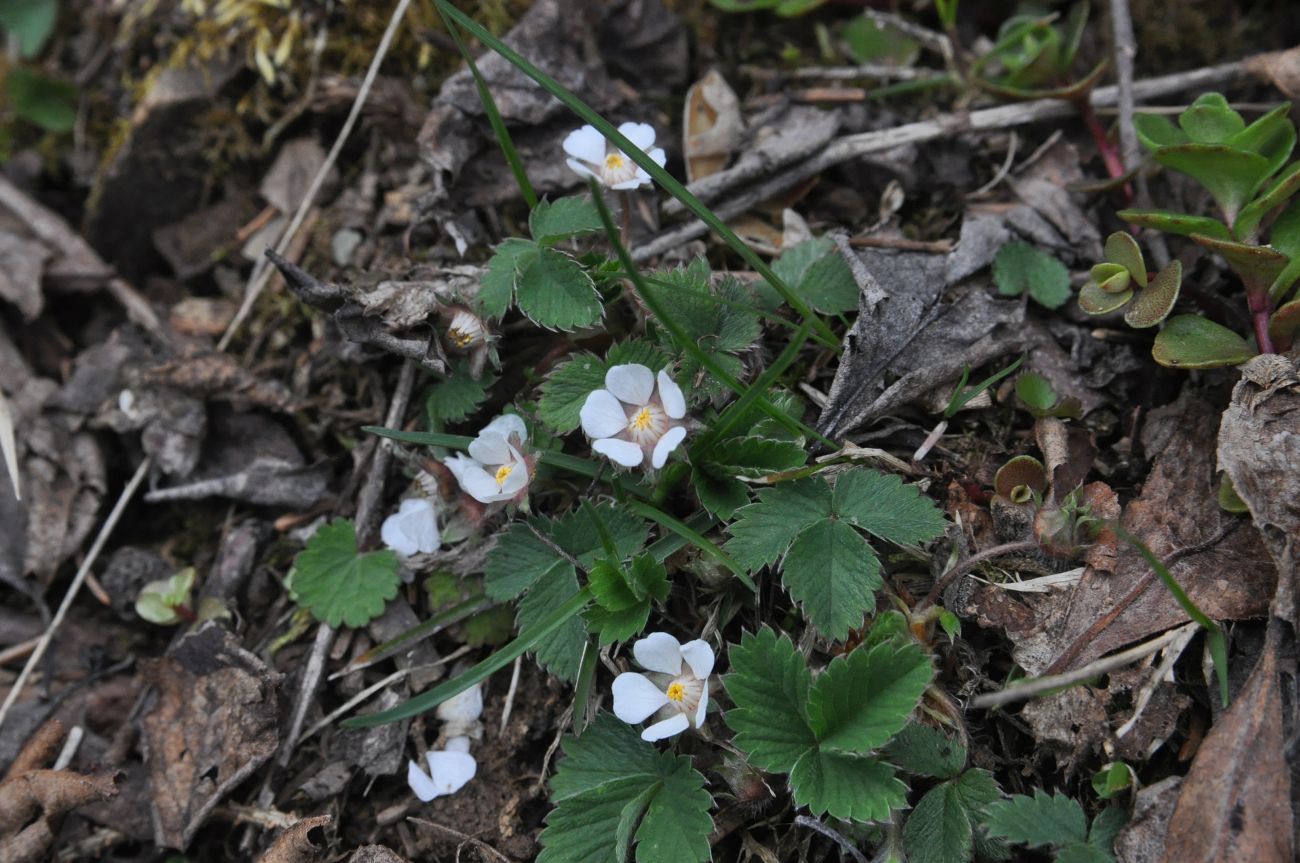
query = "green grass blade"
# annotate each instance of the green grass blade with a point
(660, 176)
(692, 536)
(524, 642)
(494, 117)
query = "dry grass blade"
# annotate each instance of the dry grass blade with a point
(8, 445)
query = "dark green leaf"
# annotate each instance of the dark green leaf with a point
(925, 751)
(1231, 176)
(1040, 821)
(862, 699)
(43, 101)
(556, 292)
(764, 529)
(31, 22)
(846, 785)
(769, 684)
(1020, 268)
(884, 507)
(833, 574)
(1176, 223)
(1192, 342)
(457, 396)
(567, 388)
(338, 585)
(497, 287)
(552, 221)
(1156, 301)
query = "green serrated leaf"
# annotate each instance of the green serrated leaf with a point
(518, 559)
(846, 786)
(863, 698)
(497, 286)
(833, 573)
(1039, 821)
(883, 506)
(925, 751)
(1019, 268)
(609, 586)
(560, 652)
(1081, 853)
(1105, 828)
(817, 272)
(556, 292)
(612, 626)
(457, 396)
(565, 390)
(338, 585)
(715, 473)
(764, 529)
(939, 829)
(1192, 342)
(552, 221)
(769, 684)
(612, 786)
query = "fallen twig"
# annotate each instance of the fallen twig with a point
(834, 835)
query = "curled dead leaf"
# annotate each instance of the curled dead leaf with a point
(294, 845)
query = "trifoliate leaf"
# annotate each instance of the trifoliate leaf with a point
(560, 652)
(497, 287)
(457, 396)
(567, 388)
(833, 574)
(764, 529)
(769, 683)
(556, 292)
(611, 786)
(338, 585)
(926, 751)
(862, 699)
(1020, 268)
(816, 271)
(612, 626)
(552, 221)
(884, 507)
(846, 785)
(715, 472)
(1039, 821)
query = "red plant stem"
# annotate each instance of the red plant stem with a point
(1110, 154)
(1258, 302)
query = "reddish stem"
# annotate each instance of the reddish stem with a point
(1259, 314)
(1110, 154)
(185, 613)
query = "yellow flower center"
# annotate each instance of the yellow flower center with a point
(460, 338)
(614, 161)
(503, 472)
(676, 692)
(641, 421)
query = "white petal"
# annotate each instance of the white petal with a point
(450, 770)
(482, 486)
(602, 415)
(507, 425)
(631, 383)
(459, 464)
(490, 447)
(412, 529)
(635, 697)
(675, 725)
(703, 709)
(699, 656)
(641, 134)
(659, 651)
(658, 155)
(456, 744)
(580, 168)
(587, 145)
(634, 183)
(621, 452)
(420, 782)
(666, 445)
(465, 707)
(670, 396)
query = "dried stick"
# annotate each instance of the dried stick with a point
(261, 274)
(834, 835)
(852, 146)
(1096, 668)
(970, 563)
(75, 587)
(1125, 52)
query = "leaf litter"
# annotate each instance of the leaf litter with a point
(876, 595)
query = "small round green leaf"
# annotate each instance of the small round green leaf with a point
(1020, 268)
(1191, 342)
(1157, 130)
(1123, 250)
(1210, 120)
(1154, 303)
(1094, 300)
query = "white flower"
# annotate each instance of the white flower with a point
(466, 330)
(678, 695)
(632, 420)
(591, 155)
(449, 770)
(496, 468)
(460, 713)
(413, 529)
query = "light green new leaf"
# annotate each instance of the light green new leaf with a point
(1038, 821)
(1210, 119)
(818, 273)
(565, 390)
(846, 785)
(552, 221)
(884, 507)
(497, 287)
(764, 529)
(1020, 268)
(555, 291)
(925, 751)
(769, 683)
(833, 573)
(863, 698)
(338, 585)
(613, 790)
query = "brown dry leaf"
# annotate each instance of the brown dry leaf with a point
(1282, 68)
(1235, 803)
(212, 723)
(294, 845)
(375, 854)
(32, 800)
(22, 261)
(64, 485)
(712, 126)
(215, 375)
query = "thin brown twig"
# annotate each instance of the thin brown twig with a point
(834, 835)
(463, 837)
(970, 563)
